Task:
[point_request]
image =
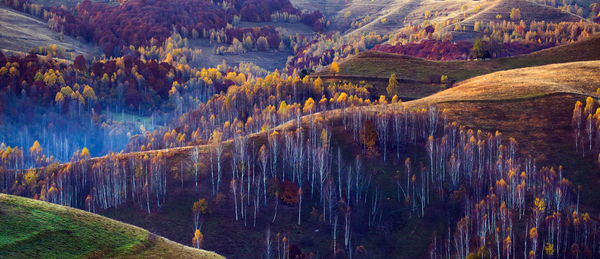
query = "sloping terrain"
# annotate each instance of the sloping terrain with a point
(580, 78)
(521, 111)
(384, 16)
(389, 16)
(414, 74)
(36, 229)
(21, 32)
(529, 11)
(533, 105)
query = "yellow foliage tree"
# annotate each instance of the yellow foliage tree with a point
(318, 85)
(85, 153)
(393, 87)
(59, 98)
(334, 68)
(198, 239)
(515, 14)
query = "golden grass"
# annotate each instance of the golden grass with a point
(579, 78)
(413, 73)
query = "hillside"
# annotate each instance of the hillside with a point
(579, 78)
(376, 67)
(22, 32)
(529, 11)
(520, 112)
(533, 105)
(514, 102)
(389, 16)
(274, 129)
(36, 229)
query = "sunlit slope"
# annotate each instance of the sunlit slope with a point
(533, 105)
(500, 10)
(37, 229)
(414, 74)
(390, 16)
(579, 78)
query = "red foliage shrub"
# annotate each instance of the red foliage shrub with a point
(289, 193)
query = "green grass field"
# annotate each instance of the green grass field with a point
(36, 229)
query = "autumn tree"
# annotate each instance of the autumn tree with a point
(263, 155)
(318, 86)
(478, 50)
(515, 14)
(393, 87)
(200, 208)
(80, 64)
(577, 122)
(262, 44)
(35, 152)
(198, 239)
(368, 136)
(334, 68)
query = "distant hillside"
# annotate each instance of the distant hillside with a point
(529, 11)
(22, 32)
(415, 75)
(37, 229)
(389, 16)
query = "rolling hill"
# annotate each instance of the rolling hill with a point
(22, 32)
(414, 74)
(535, 106)
(514, 102)
(36, 229)
(480, 165)
(529, 10)
(389, 16)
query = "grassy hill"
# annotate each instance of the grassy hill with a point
(530, 11)
(515, 102)
(22, 32)
(389, 16)
(414, 73)
(36, 229)
(533, 105)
